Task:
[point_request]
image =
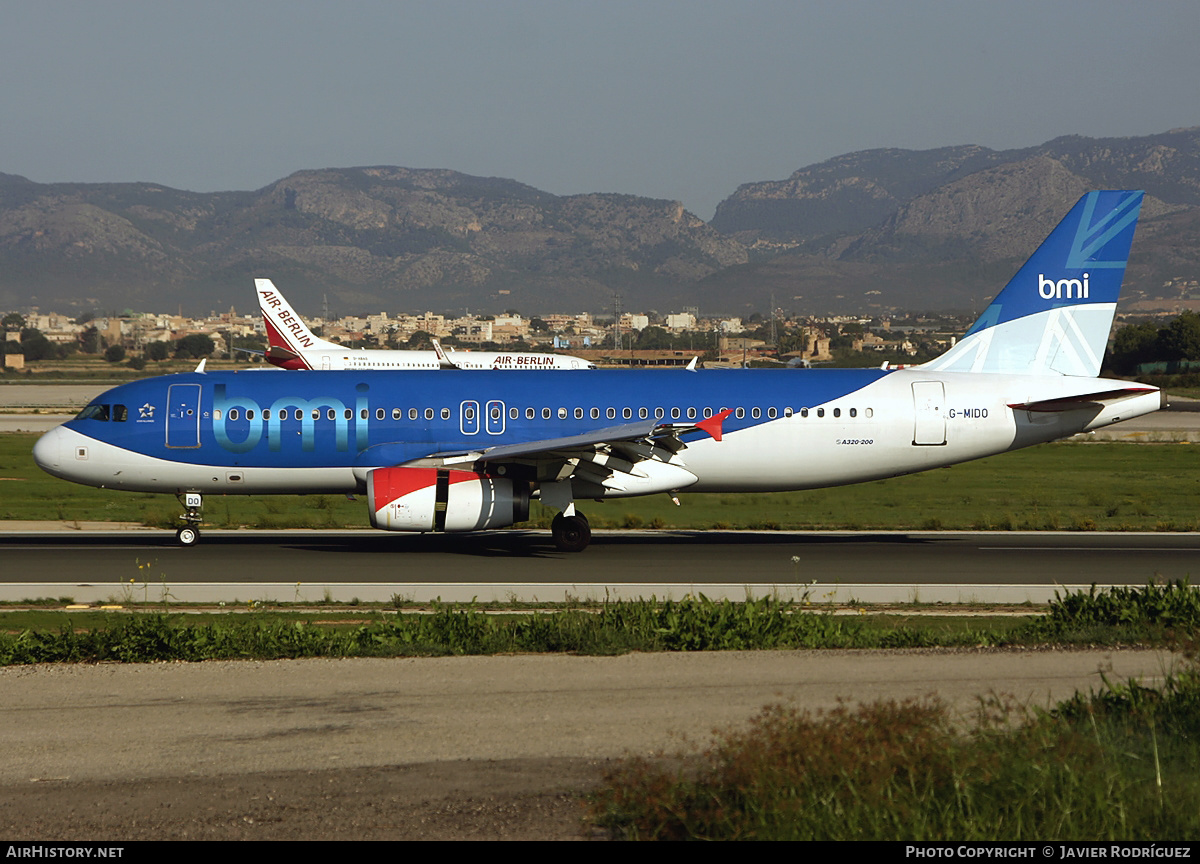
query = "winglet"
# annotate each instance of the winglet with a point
(691, 367)
(712, 425)
(203, 360)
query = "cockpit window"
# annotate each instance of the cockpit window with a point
(120, 413)
(93, 412)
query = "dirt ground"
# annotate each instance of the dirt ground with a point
(540, 799)
(446, 748)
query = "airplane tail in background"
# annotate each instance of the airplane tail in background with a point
(287, 334)
(1054, 316)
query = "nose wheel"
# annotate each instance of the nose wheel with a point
(571, 533)
(189, 534)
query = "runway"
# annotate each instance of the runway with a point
(825, 567)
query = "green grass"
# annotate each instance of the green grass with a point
(1106, 486)
(1124, 616)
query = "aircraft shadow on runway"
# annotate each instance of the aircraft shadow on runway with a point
(484, 544)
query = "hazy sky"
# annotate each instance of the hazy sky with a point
(679, 99)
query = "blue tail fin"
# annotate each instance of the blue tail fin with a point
(1053, 317)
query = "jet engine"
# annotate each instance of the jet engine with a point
(443, 499)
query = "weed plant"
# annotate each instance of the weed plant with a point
(1118, 614)
(1120, 764)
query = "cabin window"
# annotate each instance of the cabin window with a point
(627, 413)
(562, 413)
(691, 413)
(530, 413)
(853, 412)
(870, 413)
(643, 413)
(658, 413)
(362, 414)
(755, 413)
(495, 412)
(216, 413)
(611, 413)
(397, 413)
(347, 414)
(299, 415)
(803, 412)
(837, 412)
(787, 412)
(820, 412)
(545, 413)
(428, 413)
(772, 413)
(412, 413)
(740, 413)
(513, 413)
(578, 413)
(469, 412)
(674, 413)
(233, 413)
(445, 413)
(380, 414)
(595, 412)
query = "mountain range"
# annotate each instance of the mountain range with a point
(865, 233)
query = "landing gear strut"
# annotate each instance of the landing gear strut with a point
(571, 533)
(189, 534)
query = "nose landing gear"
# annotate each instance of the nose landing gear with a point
(189, 534)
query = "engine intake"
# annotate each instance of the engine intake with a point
(443, 499)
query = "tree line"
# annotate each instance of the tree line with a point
(1136, 344)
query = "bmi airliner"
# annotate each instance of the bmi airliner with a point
(467, 451)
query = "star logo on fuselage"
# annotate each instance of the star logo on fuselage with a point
(146, 412)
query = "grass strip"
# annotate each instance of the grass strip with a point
(1149, 615)
(1103, 486)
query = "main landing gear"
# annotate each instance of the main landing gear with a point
(189, 534)
(571, 533)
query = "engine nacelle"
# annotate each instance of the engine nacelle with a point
(443, 499)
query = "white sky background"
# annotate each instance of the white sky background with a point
(678, 99)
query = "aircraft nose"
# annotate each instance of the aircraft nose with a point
(49, 449)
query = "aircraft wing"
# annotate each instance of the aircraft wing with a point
(651, 431)
(632, 459)
(609, 435)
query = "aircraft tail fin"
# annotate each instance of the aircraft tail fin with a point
(444, 361)
(1054, 316)
(287, 334)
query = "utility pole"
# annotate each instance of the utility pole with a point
(616, 322)
(774, 335)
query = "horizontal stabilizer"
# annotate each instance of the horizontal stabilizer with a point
(1074, 403)
(278, 352)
